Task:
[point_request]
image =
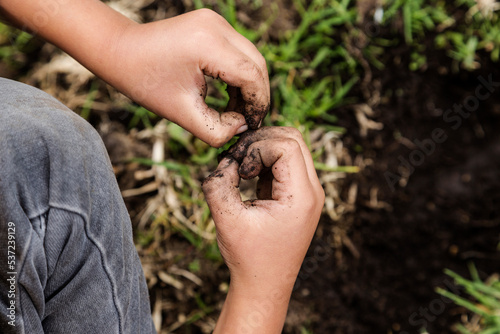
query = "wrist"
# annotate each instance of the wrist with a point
(254, 309)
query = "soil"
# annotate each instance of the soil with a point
(444, 215)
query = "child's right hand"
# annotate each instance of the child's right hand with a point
(264, 241)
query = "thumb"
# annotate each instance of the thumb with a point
(221, 191)
(209, 125)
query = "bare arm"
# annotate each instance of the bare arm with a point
(88, 30)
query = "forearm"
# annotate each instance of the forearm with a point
(88, 30)
(246, 311)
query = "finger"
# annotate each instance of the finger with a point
(252, 164)
(284, 158)
(293, 133)
(241, 43)
(238, 70)
(212, 127)
(248, 48)
(239, 149)
(221, 190)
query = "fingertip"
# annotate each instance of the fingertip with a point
(242, 129)
(233, 118)
(255, 114)
(249, 171)
(234, 122)
(222, 127)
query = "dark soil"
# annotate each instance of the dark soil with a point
(446, 215)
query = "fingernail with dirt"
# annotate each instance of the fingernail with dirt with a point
(238, 150)
(255, 114)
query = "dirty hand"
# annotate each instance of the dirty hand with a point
(263, 241)
(161, 65)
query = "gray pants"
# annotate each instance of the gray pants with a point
(67, 259)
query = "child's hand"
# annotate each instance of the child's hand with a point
(264, 241)
(161, 65)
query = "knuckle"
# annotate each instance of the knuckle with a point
(315, 201)
(291, 145)
(309, 204)
(217, 140)
(209, 17)
(262, 62)
(256, 71)
(253, 71)
(205, 13)
(321, 196)
(201, 25)
(294, 133)
(201, 36)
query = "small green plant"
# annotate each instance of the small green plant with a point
(312, 73)
(304, 330)
(485, 303)
(419, 16)
(140, 115)
(462, 28)
(14, 44)
(89, 101)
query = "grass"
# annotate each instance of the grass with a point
(483, 302)
(460, 28)
(14, 45)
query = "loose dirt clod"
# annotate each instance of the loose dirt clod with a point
(238, 151)
(251, 166)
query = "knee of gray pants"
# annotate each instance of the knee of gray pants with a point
(75, 265)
